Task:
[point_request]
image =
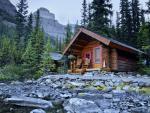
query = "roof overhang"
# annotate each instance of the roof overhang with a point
(106, 41)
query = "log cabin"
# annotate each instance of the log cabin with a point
(101, 53)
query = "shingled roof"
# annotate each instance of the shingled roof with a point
(106, 41)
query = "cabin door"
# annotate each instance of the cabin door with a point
(88, 55)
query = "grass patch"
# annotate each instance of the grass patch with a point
(145, 90)
(101, 88)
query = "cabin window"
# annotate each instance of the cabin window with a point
(97, 55)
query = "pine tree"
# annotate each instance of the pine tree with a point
(144, 38)
(148, 7)
(47, 64)
(60, 45)
(135, 20)
(102, 9)
(7, 51)
(21, 20)
(29, 28)
(142, 19)
(29, 60)
(118, 33)
(57, 44)
(68, 34)
(89, 16)
(126, 21)
(84, 20)
(76, 27)
(34, 51)
(37, 24)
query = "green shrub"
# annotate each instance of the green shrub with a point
(11, 72)
(145, 70)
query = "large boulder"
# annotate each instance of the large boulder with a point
(29, 102)
(37, 111)
(77, 105)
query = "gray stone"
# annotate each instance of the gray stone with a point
(111, 111)
(98, 83)
(118, 91)
(37, 111)
(108, 96)
(76, 105)
(126, 88)
(66, 95)
(78, 84)
(103, 103)
(29, 102)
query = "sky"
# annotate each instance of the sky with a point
(66, 10)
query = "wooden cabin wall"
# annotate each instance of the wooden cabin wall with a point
(126, 61)
(113, 60)
(89, 48)
(105, 57)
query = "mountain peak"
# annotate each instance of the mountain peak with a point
(45, 13)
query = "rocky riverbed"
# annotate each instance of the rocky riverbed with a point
(90, 93)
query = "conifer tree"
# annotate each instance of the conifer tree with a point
(76, 27)
(7, 51)
(144, 38)
(34, 51)
(142, 19)
(47, 64)
(101, 11)
(84, 20)
(148, 7)
(126, 21)
(135, 20)
(29, 28)
(118, 33)
(89, 16)
(68, 34)
(57, 44)
(21, 20)
(29, 60)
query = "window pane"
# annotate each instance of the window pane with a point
(97, 55)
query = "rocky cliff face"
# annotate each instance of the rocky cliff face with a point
(50, 25)
(7, 11)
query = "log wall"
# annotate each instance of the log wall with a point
(127, 61)
(113, 60)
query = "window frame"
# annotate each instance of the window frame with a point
(95, 59)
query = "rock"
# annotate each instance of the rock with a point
(103, 103)
(111, 111)
(78, 84)
(108, 96)
(98, 83)
(29, 102)
(37, 111)
(16, 83)
(48, 81)
(126, 88)
(118, 91)
(66, 95)
(139, 110)
(76, 105)
(124, 112)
